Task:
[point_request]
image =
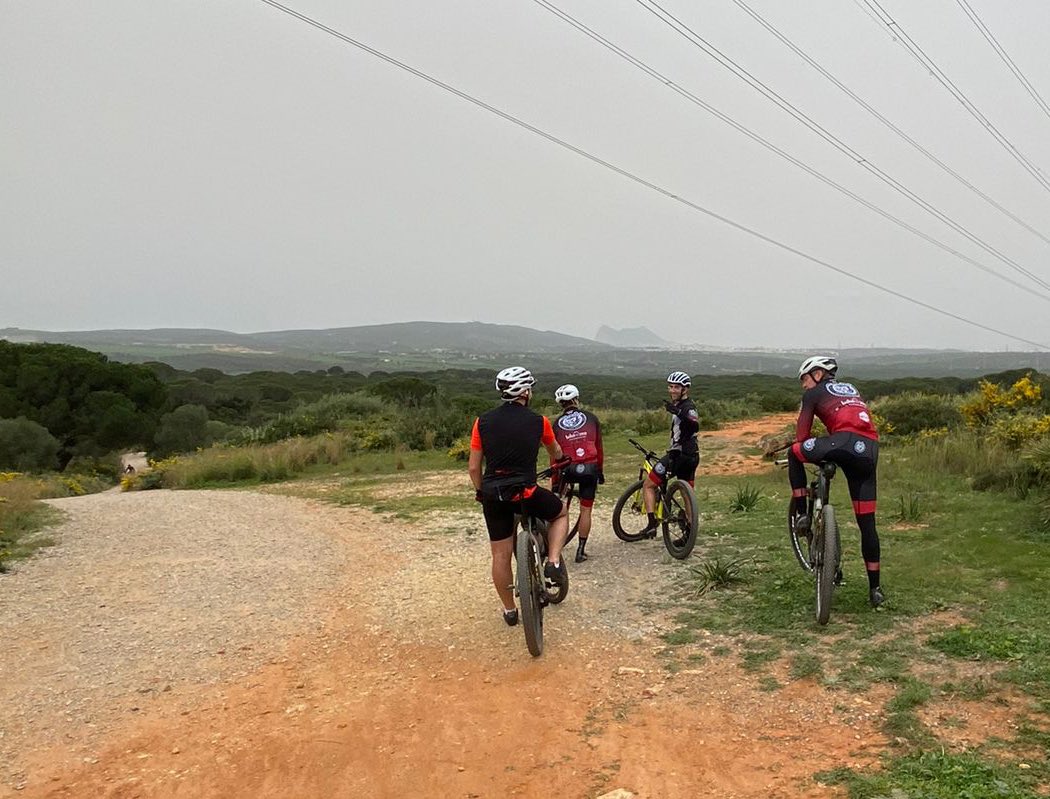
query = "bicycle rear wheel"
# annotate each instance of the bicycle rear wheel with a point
(682, 520)
(530, 587)
(826, 540)
(800, 545)
(629, 514)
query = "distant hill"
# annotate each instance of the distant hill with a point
(428, 346)
(637, 337)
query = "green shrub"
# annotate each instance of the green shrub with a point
(746, 499)
(26, 446)
(183, 430)
(909, 413)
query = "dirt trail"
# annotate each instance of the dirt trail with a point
(403, 680)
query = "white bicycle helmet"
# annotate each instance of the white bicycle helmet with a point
(567, 393)
(678, 379)
(825, 362)
(514, 382)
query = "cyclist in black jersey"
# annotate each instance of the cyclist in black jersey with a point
(852, 443)
(579, 434)
(683, 454)
(507, 440)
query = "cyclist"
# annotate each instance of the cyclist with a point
(507, 439)
(683, 455)
(852, 443)
(579, 435)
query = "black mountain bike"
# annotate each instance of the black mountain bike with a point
(676, 510)
(815, 541)
(531, 586)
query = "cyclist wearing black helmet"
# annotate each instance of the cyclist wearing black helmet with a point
(683, 455)
(507, 439)
(852, 443)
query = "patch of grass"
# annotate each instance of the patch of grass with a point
(805, 664)
(972, 690)
(683, 635)
(769, 683)
(909, 508)
(902, 723)
(718, 573)
(936, 775)
(988, 643)
(22, 517)
(746, 499)
(757, 658)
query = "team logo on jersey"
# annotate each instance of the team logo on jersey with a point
(659, 468)
(859, 447)
(580, 468)
(580, 452)
(843, 389)
(573, 420)
(808, 444)
(693, 415)
(863, 416)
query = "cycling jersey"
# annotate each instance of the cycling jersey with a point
(685, 423)
(579, 435)
(509, 438)
(839, 406)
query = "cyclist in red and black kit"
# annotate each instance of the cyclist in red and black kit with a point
(683, 455)
(852, 443)
(507, 439)
(579, 434)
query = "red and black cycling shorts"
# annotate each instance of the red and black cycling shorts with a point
(856, 455)
(676, 464)
(499, 514)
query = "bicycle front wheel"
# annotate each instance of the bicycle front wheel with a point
(681, 521)
(629, 517)
(827, 542)
(530, 587)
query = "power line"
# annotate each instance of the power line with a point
(639, 180)
(694, 38)
(1004, 56)
(957, 93)
(656, 75)
(867, 107)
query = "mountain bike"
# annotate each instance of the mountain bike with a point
(530, 584)
(815, 542)
(676, 510)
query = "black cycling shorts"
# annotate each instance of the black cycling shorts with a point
(856, 455)
(677, 464)
(499, 515)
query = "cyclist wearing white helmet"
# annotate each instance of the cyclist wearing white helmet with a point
(852, 443)
(507, 440)
(579, 434)
(683, 454)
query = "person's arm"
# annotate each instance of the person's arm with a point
(549, 441)
(474, 461)
(804, 425)
(600, 448)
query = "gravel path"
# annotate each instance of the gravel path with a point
(148, 592)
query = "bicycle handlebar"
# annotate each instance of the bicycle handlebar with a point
(646, 452)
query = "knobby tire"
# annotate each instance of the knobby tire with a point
(530, 585)
(681, 521)
(629, 509)
(796, 543)
(827, 563)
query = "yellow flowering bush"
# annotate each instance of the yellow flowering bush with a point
(991, 400)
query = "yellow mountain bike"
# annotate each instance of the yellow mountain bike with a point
(676, 510)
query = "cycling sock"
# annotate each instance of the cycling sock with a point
(652, 519)
(582, 545)
(873, 577)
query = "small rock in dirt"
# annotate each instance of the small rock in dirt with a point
(175, 750)
(630, 670)
(652, 690)
(619, 793)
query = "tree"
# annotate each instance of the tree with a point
(183, 430)
(26, 446)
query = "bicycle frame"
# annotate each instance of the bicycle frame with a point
(649, 461)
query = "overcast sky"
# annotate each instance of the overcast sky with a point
(222, 164)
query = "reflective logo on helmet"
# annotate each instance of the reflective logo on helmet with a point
(572, 421)
(809, 443)
(859, 447)
(842, 389)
